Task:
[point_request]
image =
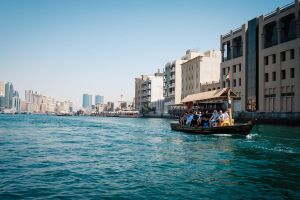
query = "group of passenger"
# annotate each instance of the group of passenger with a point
(205, 119)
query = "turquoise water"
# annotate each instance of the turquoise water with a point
(50, 157)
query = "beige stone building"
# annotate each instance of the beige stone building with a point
(261, 60)
(279, 68)
(214, 85)
(233, 63)
(198, 70)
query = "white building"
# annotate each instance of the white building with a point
(148, 88)
(152, 88)
(199, 69)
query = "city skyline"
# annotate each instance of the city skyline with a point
(64, 49)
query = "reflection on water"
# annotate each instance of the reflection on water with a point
(46, 157)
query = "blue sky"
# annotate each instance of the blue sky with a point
(64, 48)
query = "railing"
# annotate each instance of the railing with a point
(235, 31)
(226, 35)
(287, 6)
(269, 15)
(282, 9)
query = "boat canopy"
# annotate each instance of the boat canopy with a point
(214, 95)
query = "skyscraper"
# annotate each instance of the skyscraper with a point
(99, 99)
(9, 91)
(2, 97)
(87, 101)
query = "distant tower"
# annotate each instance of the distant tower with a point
(9, 91)
(87, 101)
(99, 99)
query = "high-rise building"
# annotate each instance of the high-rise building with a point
(87, 101)
(2, 88)
(2, 96)
(9, 92)
(99, 99)
(260, 61)
(16, 101)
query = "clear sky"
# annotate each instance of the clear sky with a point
(64, 48)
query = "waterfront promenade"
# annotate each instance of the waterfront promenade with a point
(50, 157)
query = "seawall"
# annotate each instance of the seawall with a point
(282, 118)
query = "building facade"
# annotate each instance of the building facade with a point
(138, 91)
(110, 106)
(99, 99)
(148, 88)
(152, 88)
(9, 92)
(172, 78)
(279, 53)
(198, 70)
(260, 61)
(38, 103)
(2, 96)
(214, 85)
(87, 101)
(233, 70)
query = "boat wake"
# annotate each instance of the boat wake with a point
(223, 135)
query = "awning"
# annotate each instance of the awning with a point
(220, 94)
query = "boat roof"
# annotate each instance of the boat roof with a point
(220, 94)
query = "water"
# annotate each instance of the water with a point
(50, 157)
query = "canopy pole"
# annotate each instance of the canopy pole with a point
(229, 107)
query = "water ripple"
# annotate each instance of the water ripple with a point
(49, 157)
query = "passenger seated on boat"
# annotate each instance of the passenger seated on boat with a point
(205, 119)
(189, 119)
(199, 118)
(225, 119)
(195, 119)
(182, 119)
(214, 120)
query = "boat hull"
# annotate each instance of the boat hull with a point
(243, 129)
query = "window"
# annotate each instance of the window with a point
(292, 54)
(292, 72)
(224, 84)
(237, 47)
(273, 76)
(270, 36)
(266, 77)
(234, 68)
(274, 58)
(240, 67)
(282, 56)
(283, 74)
(288, 28)
(240, 81)
(224, 73)
(234, 82)
(266, 60)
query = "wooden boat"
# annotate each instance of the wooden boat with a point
(240, 129)
(225, 94)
